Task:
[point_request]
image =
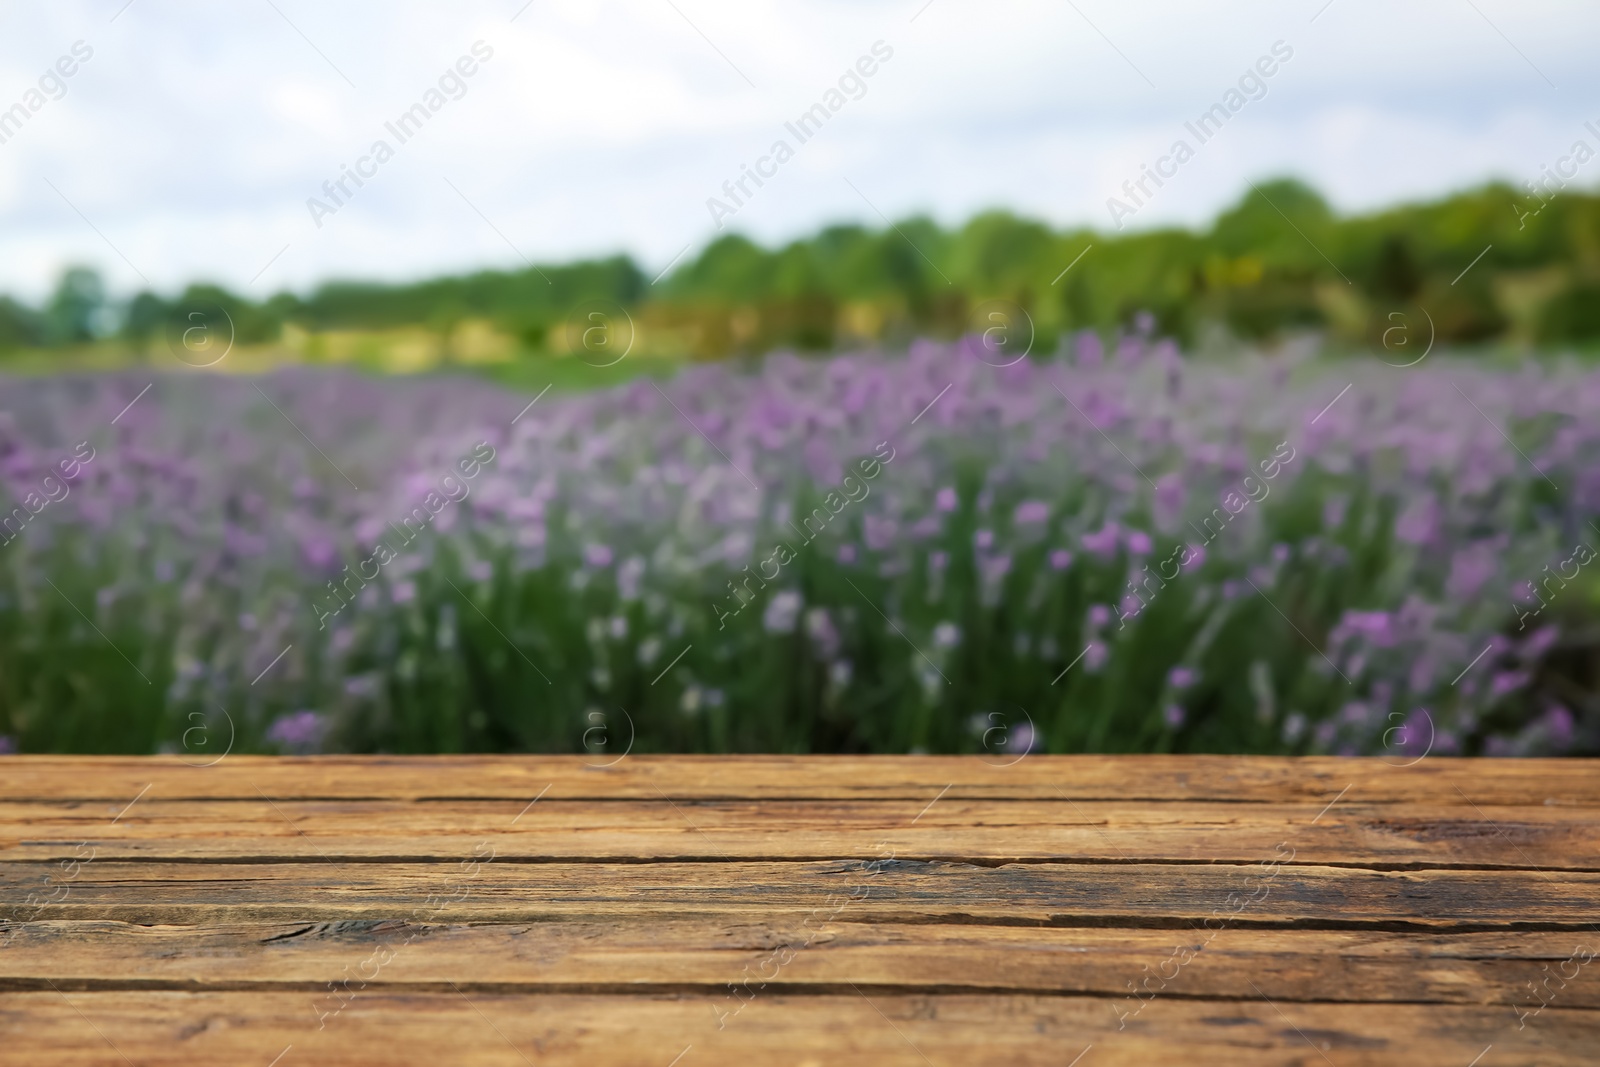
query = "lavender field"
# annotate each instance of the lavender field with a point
(1114, 549)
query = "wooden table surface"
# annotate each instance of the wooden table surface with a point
(799, 911)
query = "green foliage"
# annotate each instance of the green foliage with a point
(20, 327)
(522, 301)
(1572, 316)
(72, 315)
(1278, 260)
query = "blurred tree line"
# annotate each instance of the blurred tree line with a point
(1277, 261)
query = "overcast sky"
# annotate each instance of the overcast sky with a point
(187, 145)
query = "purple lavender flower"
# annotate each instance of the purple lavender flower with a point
(1091, 352)
(1417, 734)
(1420, 678)
(1031, 511)
(1294, 727)
(1130, 351)
(823, 633)
(1539, 642)
(1376, 626)
(210, 503)
(1103, 543)
(1558, 725)
(1418, 524)
(319, 551)
(1169, 500)
(782, 612)
(1173, 715)
(1505, 682)
(299, 731)
(1023, 738)
(1181, 677)
(629, 577)
(879, 533)
(1470, 569)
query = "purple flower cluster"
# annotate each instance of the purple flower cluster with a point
(1384, 575)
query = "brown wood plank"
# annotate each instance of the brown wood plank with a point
(1297, 965)
(910, 778)
(1176, 895)
(501, 1030)
(922, 910)
(1351, 832)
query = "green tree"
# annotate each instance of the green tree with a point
(76, 310)
(20, 326)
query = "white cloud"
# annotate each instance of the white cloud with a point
(193, 137)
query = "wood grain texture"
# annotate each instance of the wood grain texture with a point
(707, 954)
(799, 910)
(1166, 896)
(1309, 779)
(1354, 832)
(505, 1030)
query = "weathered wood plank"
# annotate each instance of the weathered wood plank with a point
(1351, 832)
(910, 778)
(533, 909)
(501, 1030)
(1177, 895)
(629, 953)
